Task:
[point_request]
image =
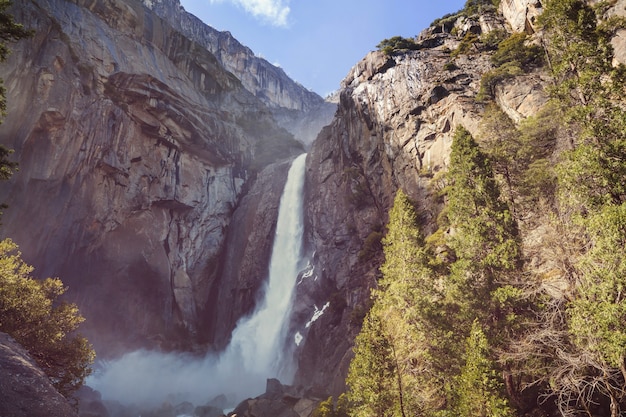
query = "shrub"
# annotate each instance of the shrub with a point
(492, 39)
(514, 50)
(31, 313)
(466, 44)
(397, 43)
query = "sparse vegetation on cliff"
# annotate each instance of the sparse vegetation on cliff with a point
(397, 43)
(31, 310)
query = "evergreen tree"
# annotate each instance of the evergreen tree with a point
(582, 332)
(480, 393)
(483, 233)
(395, 369)
(483, 236)
(372, 374)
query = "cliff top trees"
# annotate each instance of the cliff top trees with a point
(396, 43)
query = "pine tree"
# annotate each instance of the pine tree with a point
(372, 374)
(394, 371)
(480, 393)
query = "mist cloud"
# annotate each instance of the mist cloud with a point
(274, 12)
(147, 378)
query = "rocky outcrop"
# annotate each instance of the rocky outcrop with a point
(393, 129)
(521, 15)
(25, 390)
(300, 111)
(521, 96)
(135, 146)
(278, 400)
(619, 40)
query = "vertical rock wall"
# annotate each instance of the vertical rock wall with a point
(134, 146)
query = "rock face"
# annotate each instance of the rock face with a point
(521, 15)
(279, 401)
(393, 128)
(25, 390)
(297, 109)
(248, 250)
(153, 162)
(135, 146)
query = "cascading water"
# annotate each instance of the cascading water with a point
(257, 348)
(258, 340)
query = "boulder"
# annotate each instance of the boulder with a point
(25, 390)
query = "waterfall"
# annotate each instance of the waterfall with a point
(258, 340)
(257, 348)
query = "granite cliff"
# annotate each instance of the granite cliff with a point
(300, 111)
(155, 151)
(137, 147)
(25, 389)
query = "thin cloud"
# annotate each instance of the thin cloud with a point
(274, 12)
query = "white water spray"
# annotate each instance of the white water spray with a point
(256, 351)
(258, 341)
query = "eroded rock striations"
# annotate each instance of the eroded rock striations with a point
(135, 145)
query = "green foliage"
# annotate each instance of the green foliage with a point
(479, 6)
(521, 154)
(396, 43)
(389, 374)
(515, 50)
(580, 52)
(408, 353)
(598, 312)
(328, 407)
(513, 57)
(31, 313)
(467, 44)
(447, 20)
(492, 39)
(480, 392)
(371, 377)
(485, 232)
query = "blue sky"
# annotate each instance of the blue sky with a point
(316, 42)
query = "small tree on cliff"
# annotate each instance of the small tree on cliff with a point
(31, 313)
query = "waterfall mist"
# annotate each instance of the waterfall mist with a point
(257, 347)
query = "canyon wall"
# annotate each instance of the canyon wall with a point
(300, 111)
(134, 145)
(393, 129)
